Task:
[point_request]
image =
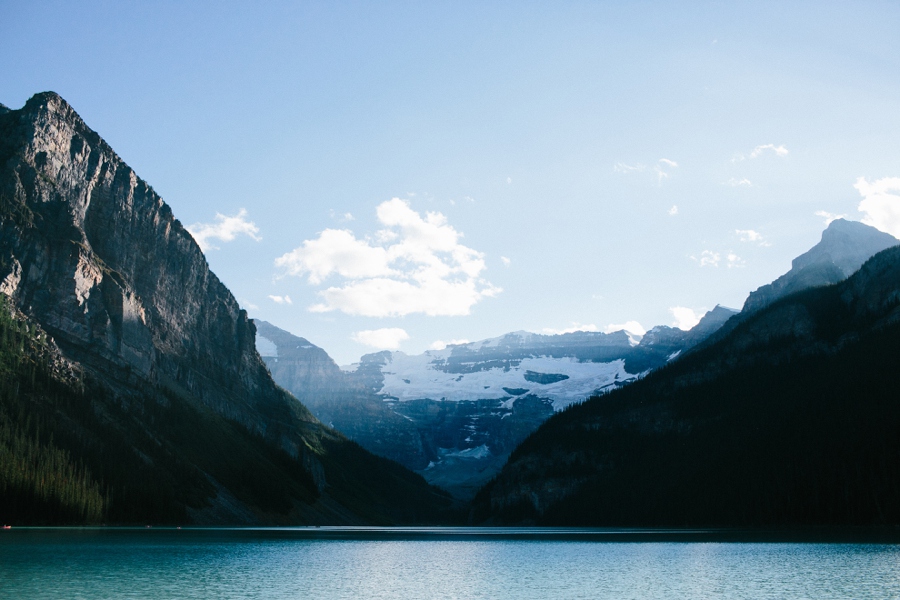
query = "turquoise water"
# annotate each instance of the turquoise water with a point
(374, 564)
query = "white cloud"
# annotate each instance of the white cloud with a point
(663, 168)
(509, 180)
(621, 167)
(347, 216)
(880, 203)
(748, 235)
(739, 182)
(576, 327)
(381, 297)
(224, 229)
(248, 304)
(829, 217)
(505, 261)
(336, 251)
(708, 258)
(760, 150)
(387, 338)
(685, 317)
(778, 150)
(673, 211)
(630, 326)
(440, 344)
(281, 299)
(733, 260)
(414, 265)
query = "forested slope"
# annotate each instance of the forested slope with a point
(791, 419)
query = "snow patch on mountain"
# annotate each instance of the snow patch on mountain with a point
(478, 452)
(415, 377)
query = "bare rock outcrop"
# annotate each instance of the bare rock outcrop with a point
(95, 255)
(90, 251)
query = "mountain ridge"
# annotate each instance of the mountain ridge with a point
(92, 255)
(453, 415)
(787, 419)
(844, 247)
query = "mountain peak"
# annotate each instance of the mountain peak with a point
(46, 98)
(713, 319)
(50, 102)
(95, 258)
(844, 247)
(842, 224)
(847, 245)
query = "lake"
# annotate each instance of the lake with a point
(434, 563)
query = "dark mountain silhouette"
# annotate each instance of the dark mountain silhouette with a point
(788, 419)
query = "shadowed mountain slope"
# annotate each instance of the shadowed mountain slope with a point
(154, 355)
(789, 419)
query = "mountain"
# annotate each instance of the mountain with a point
(844, 247)
(129, 361)
(337, 399)
(789, 419)
(454, 415)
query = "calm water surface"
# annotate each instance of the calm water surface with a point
(283, 564)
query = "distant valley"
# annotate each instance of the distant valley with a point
(455, 415)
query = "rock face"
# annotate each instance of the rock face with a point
(91, 253)
(844, 247)
(454, 415)
(96, 256)
(337, 399)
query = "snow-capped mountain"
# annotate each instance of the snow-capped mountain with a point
(456, 414)
(561, 368)
(507, 367)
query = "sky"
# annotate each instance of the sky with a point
(405, 175)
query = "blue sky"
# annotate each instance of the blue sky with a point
(415, 173)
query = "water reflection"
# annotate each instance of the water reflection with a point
(223, 564)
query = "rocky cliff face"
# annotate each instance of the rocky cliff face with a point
(91, 253)
(844, 247)
(337, 399)
(299, 365)
(96, 256)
